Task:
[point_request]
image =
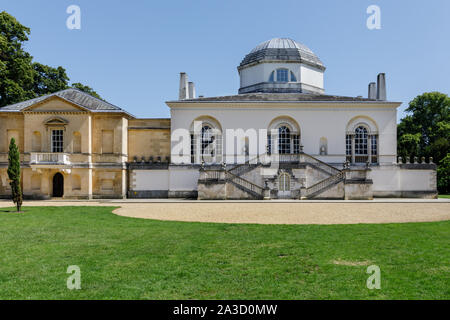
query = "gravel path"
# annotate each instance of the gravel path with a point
(273, 212)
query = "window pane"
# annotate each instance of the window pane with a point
(296, 143)
(272, 75)
(284, 140)
(57, 141)
(293, 78)
(361, 141)
(282, 75)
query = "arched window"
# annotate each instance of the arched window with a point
(361, 140)
(293, 78)
(282, 75)
(361, 144)
(283, 137)
(206, 140)
(284, 140)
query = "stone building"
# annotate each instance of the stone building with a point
(280, 137)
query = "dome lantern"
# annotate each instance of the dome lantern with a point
(281, 65)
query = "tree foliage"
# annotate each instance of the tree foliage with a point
(14, 173)
(86, 89)
(425, 131)
(20, 77)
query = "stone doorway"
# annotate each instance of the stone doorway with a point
(58, 185)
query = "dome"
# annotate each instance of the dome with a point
(283, 50)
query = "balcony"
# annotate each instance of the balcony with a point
(49, 158)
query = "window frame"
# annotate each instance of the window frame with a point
(57, 146)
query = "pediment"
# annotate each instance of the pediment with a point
(56, 121)
(55, 104)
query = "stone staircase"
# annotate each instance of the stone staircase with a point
(324, 185)
(333, 175)
(234, 176)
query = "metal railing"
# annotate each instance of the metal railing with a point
(316, 188)
(322, 165)
(238, 169)
(245, 183)
(212, 175)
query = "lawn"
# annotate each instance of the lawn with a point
(127, 258)
(445, 196)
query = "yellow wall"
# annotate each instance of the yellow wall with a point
(90, 173)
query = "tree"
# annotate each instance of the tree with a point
(21, 78)
(425, 131)
(48, 79)
(86, 89)
(16, 72)
(14, 173)
(443, 172)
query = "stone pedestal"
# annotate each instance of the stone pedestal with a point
(357, 185)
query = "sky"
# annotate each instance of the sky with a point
(131, 52)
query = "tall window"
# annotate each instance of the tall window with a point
(361, 141)
(282, 75)
(374, 148)
(57, 140)
(192, 148)
(348, 147)
(207, 141)
(296, 143)
(269, 144)
(284, 140)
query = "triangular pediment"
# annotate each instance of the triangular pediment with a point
(55, 104)
(56, 121)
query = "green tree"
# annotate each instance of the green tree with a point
(14, 173)
(48, 79)
(16, 72)
(86, 89)
(21, 78)
(425, 131)
(443, 172)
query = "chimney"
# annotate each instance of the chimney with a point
(372, 91)
(191, 90)
(183, 92)
(381, 87)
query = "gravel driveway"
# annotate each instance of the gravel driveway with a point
(272, 212)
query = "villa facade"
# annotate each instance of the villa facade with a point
(280, 137)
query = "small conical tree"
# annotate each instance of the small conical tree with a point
(14, 173)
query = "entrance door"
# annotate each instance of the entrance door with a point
(58, 185)
(284, 182)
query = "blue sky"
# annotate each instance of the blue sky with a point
(131, 52)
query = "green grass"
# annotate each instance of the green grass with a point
(126, 258)
(445, 196)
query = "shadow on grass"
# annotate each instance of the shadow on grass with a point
(7, 210)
